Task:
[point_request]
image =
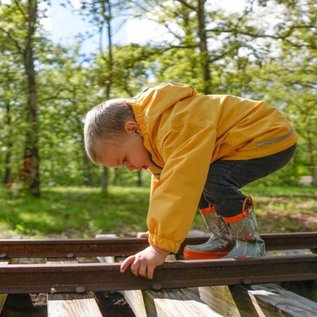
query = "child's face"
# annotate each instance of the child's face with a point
(126, 151)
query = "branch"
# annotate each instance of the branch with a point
(165, 49)
(218, 57)
(258, 35)
(187, 5)
(306, 85)
(16, 43)
(55, 96)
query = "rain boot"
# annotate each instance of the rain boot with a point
(243, 229)
(218, 245)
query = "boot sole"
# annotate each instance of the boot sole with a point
(196, 255)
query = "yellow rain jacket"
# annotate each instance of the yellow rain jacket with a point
(184, 133)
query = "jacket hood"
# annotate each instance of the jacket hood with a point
(156, 100)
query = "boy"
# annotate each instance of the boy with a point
(200, 150)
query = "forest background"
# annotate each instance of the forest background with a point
(267, 50)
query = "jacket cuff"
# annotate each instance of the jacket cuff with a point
(165, 244)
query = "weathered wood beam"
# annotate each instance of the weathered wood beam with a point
(133, 297)
(3, 297)
(176, 302)
(71, 304)
(163, 303)
(271, 300)
(220, 299)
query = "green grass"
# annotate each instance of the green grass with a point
(79, 212)
(75, 212)
(285, 209)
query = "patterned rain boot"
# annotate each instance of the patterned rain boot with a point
(218, 245)
(243, 229)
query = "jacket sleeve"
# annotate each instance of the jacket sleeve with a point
(187, 152)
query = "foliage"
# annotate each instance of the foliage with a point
(266, 51)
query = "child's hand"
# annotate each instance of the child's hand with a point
(144, 262)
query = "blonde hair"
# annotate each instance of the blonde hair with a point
(105, 122)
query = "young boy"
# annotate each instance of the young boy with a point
(200, 150)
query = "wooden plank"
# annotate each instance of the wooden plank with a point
(134, 297)
(220, 299)
(244, 303)
(259, 300)
(3, 297)
(271, 295)
(307, 289)
(72, 304)
(164, 303)
(271, 300)
(175, 303)
(136, 302)
(106, 259)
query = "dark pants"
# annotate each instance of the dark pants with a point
(226, 177)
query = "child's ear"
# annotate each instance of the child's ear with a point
(131, 127)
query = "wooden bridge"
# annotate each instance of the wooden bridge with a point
(72, 274)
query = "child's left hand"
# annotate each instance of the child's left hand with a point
(144, 262)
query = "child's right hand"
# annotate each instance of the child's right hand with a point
(144, 262)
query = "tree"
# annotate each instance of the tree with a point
(31, 160)
(206, 41)
(10, 116)
(67, 92)
(293, 74)
(21, 39)
(10, 73)
(108, 74)
(100, 15)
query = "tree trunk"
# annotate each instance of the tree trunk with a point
(30, 173)
(106, 14)
(203, 47)
(312, 161)
(104, 181)
(87, 171)
(139, 179)
(117, 177)
(7, 178)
